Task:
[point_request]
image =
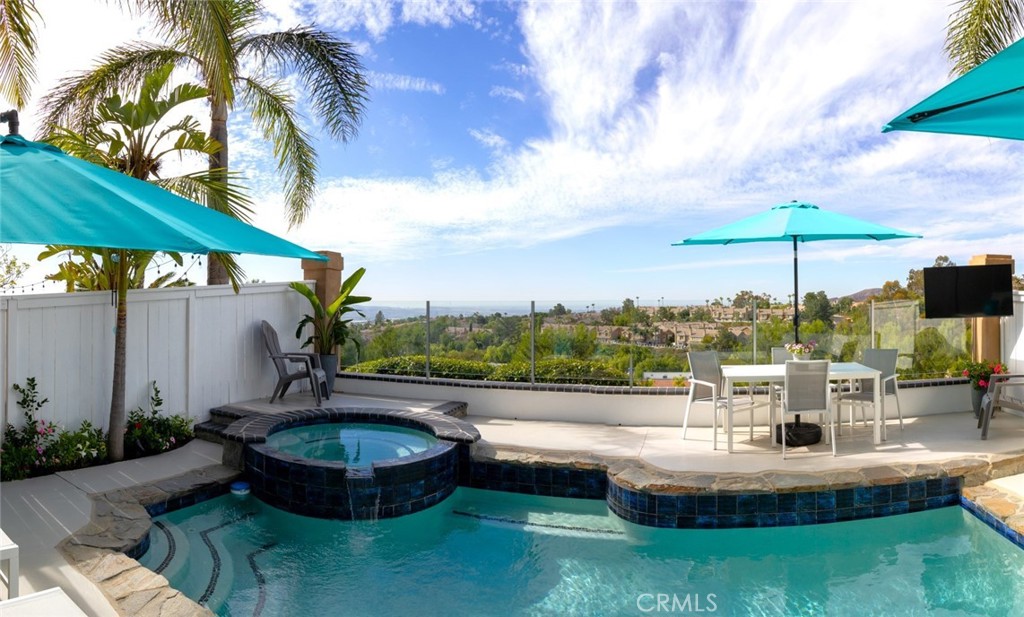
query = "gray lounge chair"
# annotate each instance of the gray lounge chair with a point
(309, 367)
(1005, 391)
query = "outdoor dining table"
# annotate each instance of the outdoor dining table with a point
(776, 373)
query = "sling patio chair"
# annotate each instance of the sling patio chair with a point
(807, 391)
(862, 392)
(309, 367)
(706, 387)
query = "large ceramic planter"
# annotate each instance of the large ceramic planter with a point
(976, 395)
(329, 362)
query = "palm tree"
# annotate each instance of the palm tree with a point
(214, 39)
(133, 137)
(17, 50)
(979, 29)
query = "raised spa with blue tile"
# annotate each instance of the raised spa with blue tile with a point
(355, 464)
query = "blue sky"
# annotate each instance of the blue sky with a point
(555, 150)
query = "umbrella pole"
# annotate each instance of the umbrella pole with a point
(796, 309)
(796, 297)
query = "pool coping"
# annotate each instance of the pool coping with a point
(104, 550)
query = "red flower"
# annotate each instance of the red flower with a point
(138, 426)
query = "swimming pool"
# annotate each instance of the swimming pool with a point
(491, 553)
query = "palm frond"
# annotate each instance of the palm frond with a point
(208, 30)
(17, 50)
(232, 198)
(273, 111)
(329, 68)
(72, 102)
(235, 272)
(979, 29)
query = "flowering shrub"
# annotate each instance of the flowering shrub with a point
(41, 447)
(152, 433)
(980, 372)
(801, 349)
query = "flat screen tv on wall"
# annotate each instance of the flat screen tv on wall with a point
(968, 291)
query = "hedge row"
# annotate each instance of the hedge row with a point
(551, 370)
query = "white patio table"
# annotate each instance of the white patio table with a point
(838, 371)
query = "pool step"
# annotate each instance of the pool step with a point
(584, 523)
(220, 418)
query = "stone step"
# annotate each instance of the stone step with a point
(226, 415)
(210, 431)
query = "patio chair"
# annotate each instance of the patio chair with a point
(807, 391)
(1005, 391)
(309, 367)
(862, 391)
(706, 387)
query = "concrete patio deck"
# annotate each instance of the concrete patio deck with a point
(40, 512)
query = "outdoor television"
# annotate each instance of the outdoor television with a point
(968, 291)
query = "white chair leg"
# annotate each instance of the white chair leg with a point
(686, 414)
(832, 428)
(898, 411)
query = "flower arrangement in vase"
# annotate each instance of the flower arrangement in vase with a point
(801, 351)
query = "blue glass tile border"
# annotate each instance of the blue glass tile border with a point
(995, 523)
(711, 510)
(546, 480)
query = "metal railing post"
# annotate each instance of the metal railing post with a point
(754, 329)
(872, 324)
(428, 340)
(533, 344)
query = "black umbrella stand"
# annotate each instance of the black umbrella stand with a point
(797, 433)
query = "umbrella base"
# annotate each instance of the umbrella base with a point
(798, 434)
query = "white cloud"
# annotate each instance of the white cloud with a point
(438, 12)
(507, 93)
(690, 114)
(489, 138)
(390, 81)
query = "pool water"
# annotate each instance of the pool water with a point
(357, 444)
(486, 553)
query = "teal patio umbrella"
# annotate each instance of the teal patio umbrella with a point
(48, 197)
(796, 222)
(988, 100)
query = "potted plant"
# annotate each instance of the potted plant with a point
(330, 330)
(979, 373)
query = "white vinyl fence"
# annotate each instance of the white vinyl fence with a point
(201, 345)
(1012, 334)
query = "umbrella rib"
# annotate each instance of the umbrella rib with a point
(924, 115)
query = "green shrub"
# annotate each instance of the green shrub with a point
(40, 447)
(445, 368)
(562, 370)
(151, 433)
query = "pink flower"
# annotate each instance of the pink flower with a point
(39, 449)
(966, 372)
(172, 440)
(982, 383)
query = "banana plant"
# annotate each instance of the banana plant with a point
(330, 330)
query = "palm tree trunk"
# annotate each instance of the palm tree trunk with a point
(216, 273)
(115, 438)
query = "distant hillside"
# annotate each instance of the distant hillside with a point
(864, 294)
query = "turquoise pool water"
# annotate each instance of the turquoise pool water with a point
(485, 553)
(357, 444)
